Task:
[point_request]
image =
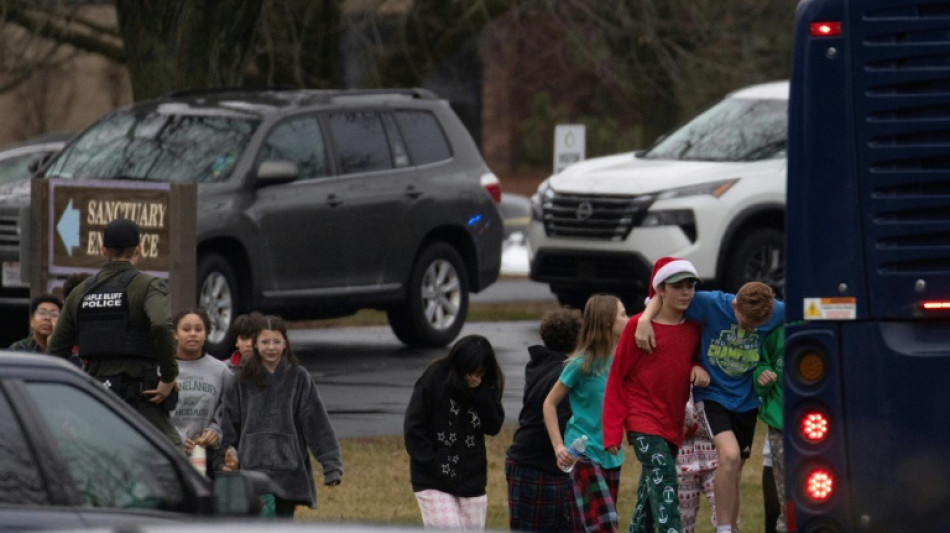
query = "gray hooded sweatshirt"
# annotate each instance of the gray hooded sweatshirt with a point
(272, 427)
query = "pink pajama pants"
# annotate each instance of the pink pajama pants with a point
(442, 510)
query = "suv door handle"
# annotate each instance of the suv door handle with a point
(412, 192)
(334, 200)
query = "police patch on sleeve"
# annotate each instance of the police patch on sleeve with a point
(160, 285)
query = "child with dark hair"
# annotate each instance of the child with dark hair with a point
(454, 404)
(540, 495)
(244, 328)
(44, 312)
(73, 281)
(202, 380)
(273, 415)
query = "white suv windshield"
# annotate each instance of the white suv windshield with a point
(735, 129)
(157, 147)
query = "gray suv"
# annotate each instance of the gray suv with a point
(316, 204)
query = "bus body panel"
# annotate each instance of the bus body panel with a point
(894, 376)
(868, 243)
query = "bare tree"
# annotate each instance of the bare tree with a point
(298, 45)
(165, 45)
(194, 43)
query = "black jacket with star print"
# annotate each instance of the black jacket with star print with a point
(445, 434)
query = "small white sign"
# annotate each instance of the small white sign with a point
(11, 275)
(569, 145)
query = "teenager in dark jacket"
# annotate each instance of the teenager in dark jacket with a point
(540, 494)
(455, 403)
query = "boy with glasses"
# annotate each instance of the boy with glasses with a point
(44, 312)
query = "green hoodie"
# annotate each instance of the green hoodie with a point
(772, 358)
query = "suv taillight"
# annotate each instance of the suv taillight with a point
(492, 185)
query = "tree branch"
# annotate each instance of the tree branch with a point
(54, 26)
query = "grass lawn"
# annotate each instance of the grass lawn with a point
(376, 487)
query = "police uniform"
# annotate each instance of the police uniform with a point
(119, 319)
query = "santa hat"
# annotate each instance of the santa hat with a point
(671, 270)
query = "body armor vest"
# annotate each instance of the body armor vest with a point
(104, 322)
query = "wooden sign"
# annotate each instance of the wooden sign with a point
(68, 217)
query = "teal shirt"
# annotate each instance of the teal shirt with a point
(587, 404)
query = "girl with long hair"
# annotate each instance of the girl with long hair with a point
(596, 475)
(273, 415)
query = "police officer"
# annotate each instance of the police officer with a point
(119, 320)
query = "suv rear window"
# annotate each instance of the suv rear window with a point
(361, 141)
(157, 146)
(427, 142)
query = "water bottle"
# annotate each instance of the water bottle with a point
(199, 459)
(577, 451)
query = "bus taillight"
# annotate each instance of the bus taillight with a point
(813, 426)
(824, 29)
(935, 305)
(819, 485)
(810, 366)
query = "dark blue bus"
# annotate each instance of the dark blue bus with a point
(867, 361)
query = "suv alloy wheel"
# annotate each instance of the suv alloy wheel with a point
(436, 302)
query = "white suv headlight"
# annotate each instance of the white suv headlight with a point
(537, 200)
(714, 189)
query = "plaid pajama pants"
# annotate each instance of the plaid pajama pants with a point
(540, 501)
(595, 489)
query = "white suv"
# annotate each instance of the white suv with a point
(712, 192)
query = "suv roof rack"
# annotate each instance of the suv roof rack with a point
(179, 93)
(311, 95)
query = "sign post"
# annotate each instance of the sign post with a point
(569, 145)
(70, 215)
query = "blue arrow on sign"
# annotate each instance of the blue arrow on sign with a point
(68, 228)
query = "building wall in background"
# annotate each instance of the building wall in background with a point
(74, 90)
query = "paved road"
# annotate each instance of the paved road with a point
(515, 290)
(365, 375)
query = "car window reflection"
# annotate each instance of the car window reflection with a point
(20, 481)
(112, 464)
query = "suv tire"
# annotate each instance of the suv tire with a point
(218, 295)
(576, 299)
(436, 303)
(759, 255)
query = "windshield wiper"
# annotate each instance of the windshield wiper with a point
(765, 151)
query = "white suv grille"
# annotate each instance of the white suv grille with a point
(607, 218)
